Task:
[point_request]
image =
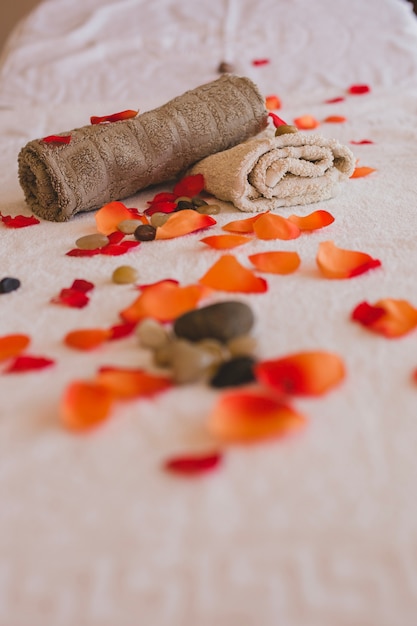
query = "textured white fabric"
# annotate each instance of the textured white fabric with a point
(318, 530)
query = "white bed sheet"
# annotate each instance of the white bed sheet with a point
(317, 530)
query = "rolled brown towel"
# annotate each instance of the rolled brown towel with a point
(111, 161)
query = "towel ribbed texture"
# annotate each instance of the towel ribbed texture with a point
(111, 161)
(266, 173)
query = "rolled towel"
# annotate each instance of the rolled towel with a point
(263, 174)
(111, 161)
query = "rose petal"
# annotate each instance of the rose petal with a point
(189, 186)
(118, 249)
(87, 338)
(361, 142)
(276, 262)
(272, 103)
(121, 331)
(313, 221)
(360, 172)
(249, 416)
(271, 226)
(388, 317)
(193, 464)
(163, 206)
(85, 404)
(227, 274)
(132, 383)
(303, 373)
(58, 139)
(78, 252)
(12, 345)
(72, 298)
(183, 223)
(306, 122)
(359, 89)
(259, 62)
(18, 221)
(163, 301)
(79, 284)
(245, 225)
(114, 117)
(335, 119)
(334, 100)
(223, 242)
(334, 262)
(110, 215)
(27, 363)
(277, 121)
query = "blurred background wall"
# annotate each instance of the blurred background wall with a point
(10, 13)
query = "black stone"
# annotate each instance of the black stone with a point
(237, 371)
(222, 321)
(185, 204)
(145, 232)
(9, 284)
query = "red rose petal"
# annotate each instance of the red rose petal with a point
(359, 89)
(82, 285)
(335, 119)
(193, 464)
(114, 117)
(277, 121)
(18, 221)
(27, 363)
(303, 373)
(334, 100)
(361, 142)
(388, 317)
(120, 331)
(58, 139)
(259, 62)
(189, 186)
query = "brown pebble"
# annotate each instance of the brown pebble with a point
(124, 275)
(145, 232)
(159, 218)
(225, 68)
(209, 209)
(91, 242)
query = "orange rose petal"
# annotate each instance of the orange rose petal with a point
(85, 405)
(306, 122)
(334, 262)
(272, 103)
(110, 215)
(249, 417)
(223, 242)
(303, 373)
(388, 317)
(360, 172)
(183, 223)
(335, 119)
(313, 221)
(86, 339)
(132, 383)
(163, 301)
(242, 226)
(227, 274)
(279, 262)
(13, 345)
(271, 226)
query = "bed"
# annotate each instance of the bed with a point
(317, 528)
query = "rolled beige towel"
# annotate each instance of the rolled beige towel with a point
(111, 161)
(266, 173)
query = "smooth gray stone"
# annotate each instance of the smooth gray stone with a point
(222, 321)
